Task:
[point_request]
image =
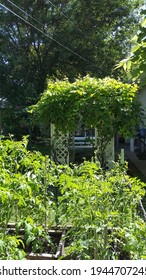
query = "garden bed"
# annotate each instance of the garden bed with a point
(38, 195)
(49, 250)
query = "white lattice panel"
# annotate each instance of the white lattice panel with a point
(59, 146)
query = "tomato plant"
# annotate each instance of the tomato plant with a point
(98, 207)
(25, 177)
(9, 248)
(101, 210)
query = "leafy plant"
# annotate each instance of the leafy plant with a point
(135, 65)
(25, 177)
(36, 238)
(9, 248)
(106, 104)
(100, 209)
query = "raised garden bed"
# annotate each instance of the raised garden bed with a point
(49, 250)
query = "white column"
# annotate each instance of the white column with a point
(132, 145)
(122, 156)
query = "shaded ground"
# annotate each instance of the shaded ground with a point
(135, 172)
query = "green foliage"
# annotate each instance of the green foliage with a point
(24, 197)
(135, 64)
(32, 57)
(101, 212)
(9, 248)
(99, 35)
(106, 104)
(35, 237)
(25, 177)
(99, 208)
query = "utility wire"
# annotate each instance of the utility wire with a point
(28, 15)
(43, 25)
(45, 34)
(24, 12)
(70, 21)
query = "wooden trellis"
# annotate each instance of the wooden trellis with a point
(59, 146)
(62, 143)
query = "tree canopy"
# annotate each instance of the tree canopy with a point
(40, 39)
(135, 63)
(99, 34)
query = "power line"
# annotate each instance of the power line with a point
(28, 15)
(45, 34)
(67, 18)
(70, 21)
(13, 4)
(43, 25)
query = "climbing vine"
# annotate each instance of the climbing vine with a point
(102, 103)
(107, 104)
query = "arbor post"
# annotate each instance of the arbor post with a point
(59, 146)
